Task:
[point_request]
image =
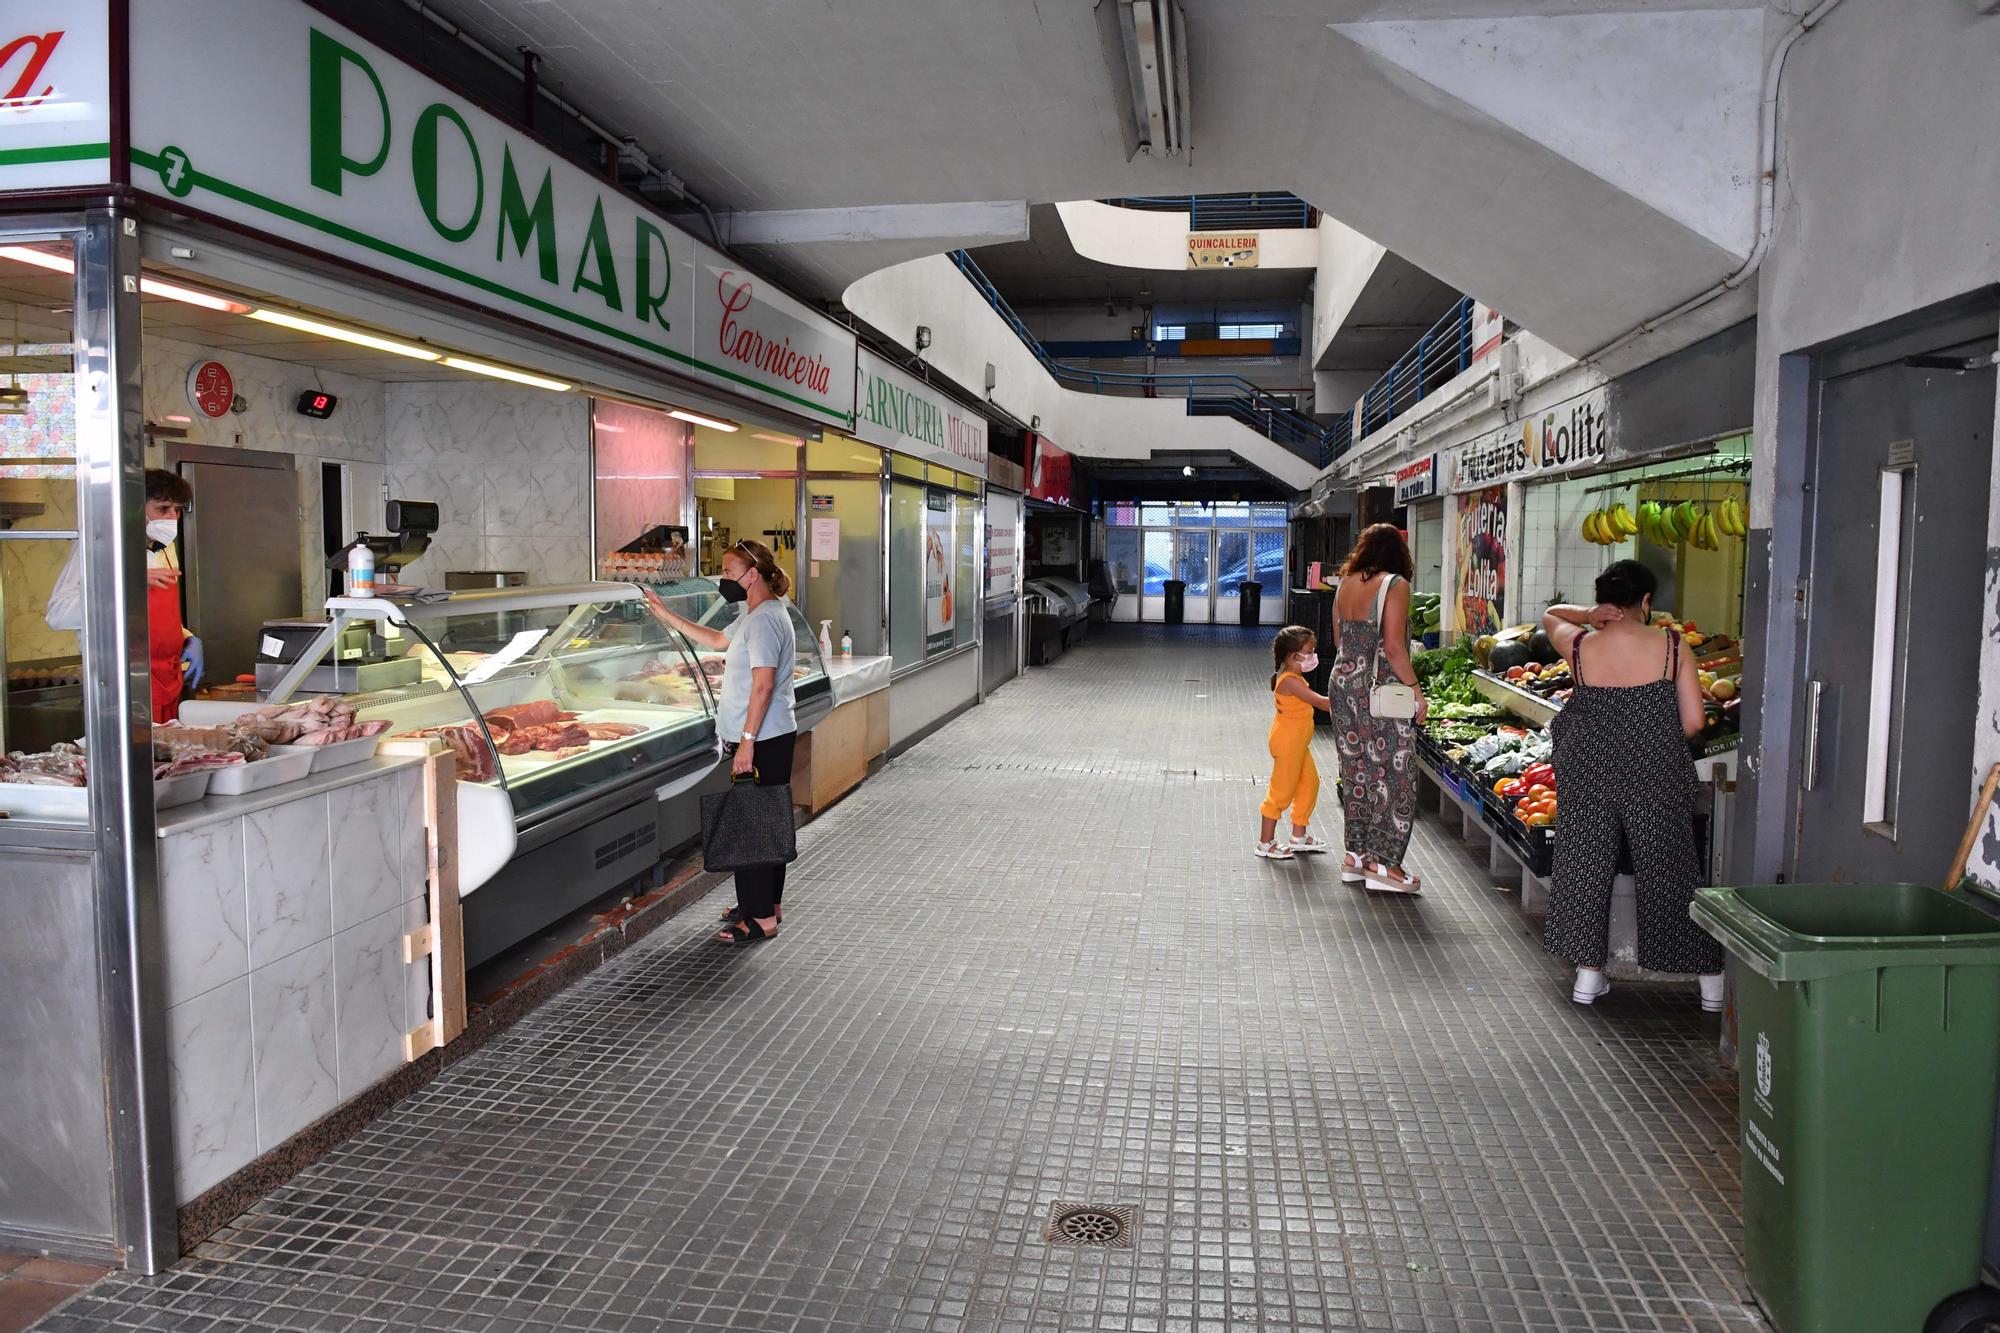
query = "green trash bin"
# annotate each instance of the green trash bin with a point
(1868, 1056)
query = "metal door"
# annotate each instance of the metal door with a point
(1194, 565)
(239, 550)
(1900, 478)
(1232, 569)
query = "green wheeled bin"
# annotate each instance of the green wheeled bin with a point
(1868, 1057)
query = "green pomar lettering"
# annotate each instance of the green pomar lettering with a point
(596, 254)
(525, 222)
(329, 162)
(648, 304)
(424, 166)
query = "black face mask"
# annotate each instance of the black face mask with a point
(732, 591)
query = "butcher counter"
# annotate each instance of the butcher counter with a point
(283, 917)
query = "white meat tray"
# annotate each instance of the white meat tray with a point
(337, 755)
(69, 805)
(273, 771)
(182, 789)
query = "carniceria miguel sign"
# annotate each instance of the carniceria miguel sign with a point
(1569, 435)
(306, 131)
(900, 412)
(55, 94)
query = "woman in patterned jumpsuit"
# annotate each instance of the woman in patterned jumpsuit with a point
(1378, 770)
(1626, 778)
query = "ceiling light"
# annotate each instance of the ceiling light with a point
(22, 254)
(1188, 471)
(506, 373)
(299, 323)
(189, 296)
(13, 401)
(710, 422)
(775, 439)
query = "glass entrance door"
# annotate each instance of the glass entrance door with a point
(1232, 568)
(1159, 548)
(1194, 565)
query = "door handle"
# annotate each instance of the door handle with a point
(1815, 693)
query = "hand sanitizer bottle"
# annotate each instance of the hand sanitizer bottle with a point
(847, 645)
(826, 640)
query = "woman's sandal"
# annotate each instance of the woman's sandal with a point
(735, 915)
(743, 932)
(1353, 870)
(1380, 880)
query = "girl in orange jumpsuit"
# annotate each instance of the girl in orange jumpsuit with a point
(1294, 778)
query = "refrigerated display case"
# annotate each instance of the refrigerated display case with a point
(701, 601)
(575, 716)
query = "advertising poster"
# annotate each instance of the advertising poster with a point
(1482, 559)
(939, 607)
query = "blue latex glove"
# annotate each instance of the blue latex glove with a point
(191, 662)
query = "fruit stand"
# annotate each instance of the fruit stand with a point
(1485, 747)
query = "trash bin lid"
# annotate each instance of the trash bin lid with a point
(1805, 932)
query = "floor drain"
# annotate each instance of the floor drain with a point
(1107, 1225)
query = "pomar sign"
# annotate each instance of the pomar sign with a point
(55, 94)
(1570, 435)
(320, 137)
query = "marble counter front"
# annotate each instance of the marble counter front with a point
(283, 914)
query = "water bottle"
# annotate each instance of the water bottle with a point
(360, 570)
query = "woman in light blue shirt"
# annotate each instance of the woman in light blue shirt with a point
(756, 716)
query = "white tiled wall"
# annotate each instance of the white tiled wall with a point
(510, 467)
(287, 992)
(271, 421)
(1554, 560)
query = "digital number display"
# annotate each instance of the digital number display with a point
(313, 403)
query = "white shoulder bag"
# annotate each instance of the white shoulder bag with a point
(1394, 700)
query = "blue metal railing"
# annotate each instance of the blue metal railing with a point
(1227, 212)
(1206, 395)
(1438, 357)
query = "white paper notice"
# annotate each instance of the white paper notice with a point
(517, 648)
(826, 539)
(271, 647)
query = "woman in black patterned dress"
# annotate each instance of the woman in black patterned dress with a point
(1378, 770)
(1626, 778)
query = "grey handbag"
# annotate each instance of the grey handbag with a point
(1394, 700)
(747, 826)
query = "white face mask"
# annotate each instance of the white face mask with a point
(163, 530)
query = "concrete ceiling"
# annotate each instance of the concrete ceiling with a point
(768, 104)
(1046, 269)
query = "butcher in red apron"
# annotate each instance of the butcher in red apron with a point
(174, 653)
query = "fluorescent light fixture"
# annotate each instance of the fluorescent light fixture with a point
(299, 323)
(709, 422)
(774, 439)
(189, 296)
(23, 254)
(505, 373)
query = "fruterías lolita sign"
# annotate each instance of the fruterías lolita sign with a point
(55, 94)
(1567, 436)
(304, 130)
(900, 412)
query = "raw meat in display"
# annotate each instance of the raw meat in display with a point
(194, 762)
(476, 760)
(335, 735)
(611, 731)
(539, 713)
(62, 765)
(171, 741)
(306, 722)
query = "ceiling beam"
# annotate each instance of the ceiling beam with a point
(989, 223)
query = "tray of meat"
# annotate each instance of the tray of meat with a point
(337, 748)
(48, 785)
(181, 788)
(276, 769)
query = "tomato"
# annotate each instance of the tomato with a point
(1541, 819)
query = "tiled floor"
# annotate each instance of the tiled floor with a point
(31, 1286)
(1030, 961)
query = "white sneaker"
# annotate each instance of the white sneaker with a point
(1712, 991)
(1591, 986)
(1309, 843)
(1274, 851)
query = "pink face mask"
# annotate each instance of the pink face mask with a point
(1307, 661)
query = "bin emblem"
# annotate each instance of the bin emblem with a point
(1764, 1066)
